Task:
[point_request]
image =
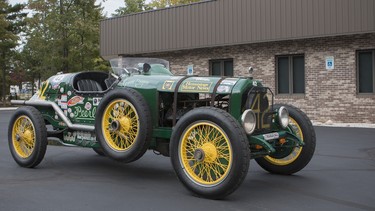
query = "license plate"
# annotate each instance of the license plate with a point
(270, 136)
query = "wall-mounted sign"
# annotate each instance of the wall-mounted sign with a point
(190, 69)
(330, 63)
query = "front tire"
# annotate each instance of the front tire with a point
(27, 137)
(209, 152)
(99, 151)
(123, 125)
(298, 157)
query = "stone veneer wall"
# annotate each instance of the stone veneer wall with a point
(329, 95)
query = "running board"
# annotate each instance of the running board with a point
(59, 112)
(57, 142)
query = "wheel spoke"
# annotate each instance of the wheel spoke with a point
(210, 139)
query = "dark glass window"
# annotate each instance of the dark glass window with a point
(366, 71)
(222, 67)
(290, 74)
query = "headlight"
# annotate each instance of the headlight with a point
(248, 120)
(283, 116)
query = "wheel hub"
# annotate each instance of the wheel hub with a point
(115, 125)
(206, 153)
(125, 123)
(199, 155)
(27, 135)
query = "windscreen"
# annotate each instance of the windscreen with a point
(132, 65)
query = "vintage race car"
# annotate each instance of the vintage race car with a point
(210, 126)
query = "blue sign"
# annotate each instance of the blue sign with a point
(330, 63)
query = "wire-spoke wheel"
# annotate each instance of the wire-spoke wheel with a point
(23, 136)
(123, 125)
(209, 152)
(205, 153)
(120, 125)
(292, 160)
(27, 137)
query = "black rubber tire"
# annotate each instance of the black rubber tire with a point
(99, 151)
(143, 139)
(307, 150)
(40, 137)
(239, 144)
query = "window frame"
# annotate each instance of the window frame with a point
(290, 76)
(357, 72)
(222, 71)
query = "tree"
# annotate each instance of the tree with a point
(134, 6)
(11, 25)
(168, 3)
(63, 35)
(131, 6)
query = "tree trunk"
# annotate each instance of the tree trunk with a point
(65, 48)
(4, 79)
(32, 85)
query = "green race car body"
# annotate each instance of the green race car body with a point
(76, 105)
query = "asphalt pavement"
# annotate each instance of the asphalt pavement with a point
(341, 176)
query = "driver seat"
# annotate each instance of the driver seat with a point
(88, 85)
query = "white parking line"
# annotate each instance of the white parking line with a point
(8, 108)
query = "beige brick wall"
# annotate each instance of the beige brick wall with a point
(329, 95)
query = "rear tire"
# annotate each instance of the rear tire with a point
(210, 152)
(299, 157)
(27, 137)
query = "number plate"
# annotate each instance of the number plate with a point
(270, 136)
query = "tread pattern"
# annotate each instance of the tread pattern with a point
(307, 151)
(40, 132)
(234, 183)
(143, 111)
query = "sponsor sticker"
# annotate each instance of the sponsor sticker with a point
(75, 100)
(196, 86)
(58, 78)
(229, 81)
(168, 85)
(271, 136)
(222, 88)
(88, 106)
(64, 98)
(96, 101)
(64, 106)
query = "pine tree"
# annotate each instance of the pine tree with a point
(63, 35)
(11, 25)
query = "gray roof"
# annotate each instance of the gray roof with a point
(230, 22)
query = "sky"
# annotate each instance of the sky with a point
(109, 5)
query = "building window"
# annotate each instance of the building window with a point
(366, 71)
(290, 74)
(221, 67)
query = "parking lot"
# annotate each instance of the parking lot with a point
(341, 176)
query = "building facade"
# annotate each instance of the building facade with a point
(318, 55)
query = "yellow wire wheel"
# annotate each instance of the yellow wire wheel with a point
(205, 153)
(209, 152)
(23, 137)
(27, 136)
(120, 125)
(289, 160)
(295, 127)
